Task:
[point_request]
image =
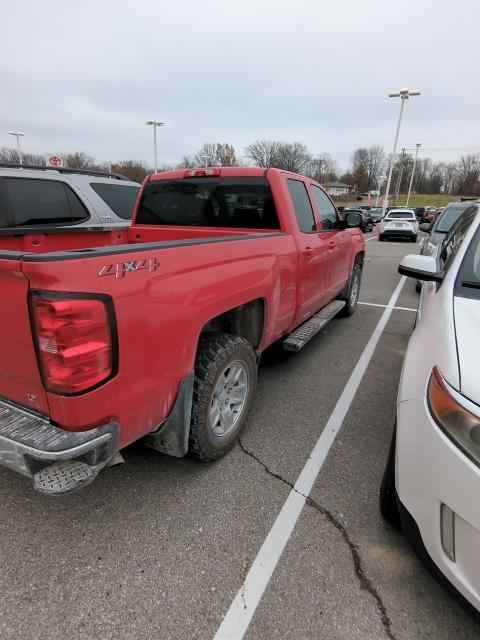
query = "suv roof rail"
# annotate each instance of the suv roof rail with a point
(87, 172)
(468, 199)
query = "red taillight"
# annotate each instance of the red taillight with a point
(198, 173)
(74, 342)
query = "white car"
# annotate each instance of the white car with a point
(431, 484)
(399, 223)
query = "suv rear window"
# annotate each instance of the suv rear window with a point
(27, 201)
(401, 216)
(119, 197)
(211, 202)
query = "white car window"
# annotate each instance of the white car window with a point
(399, 215)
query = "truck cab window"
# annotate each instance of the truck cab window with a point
(302, 206)
(211, 202)
(327, 211)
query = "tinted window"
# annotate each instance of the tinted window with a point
(454, 239)
(212, 202)
(400, 216)
(32, 202)
(119, 197)
(302, 206)
(448, 218)
(326, 209)
(468, 281)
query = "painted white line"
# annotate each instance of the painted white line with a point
(384, 306)
(245, 603)
(372, 238)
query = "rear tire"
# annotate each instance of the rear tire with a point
(223, 387)
(388, 496)
(381, 237)
(352, 291)
(414, 239)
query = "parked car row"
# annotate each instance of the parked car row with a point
(432, 479)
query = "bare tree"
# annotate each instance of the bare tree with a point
(79, 160)
(449, 177)
(323, 168)
(185, 162)
(263, 153)
(215, 154)
(367, 166)
(292, 156)
(132, 169)
(10, 156)
(468, 174)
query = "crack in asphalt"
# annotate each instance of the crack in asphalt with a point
(364, 581)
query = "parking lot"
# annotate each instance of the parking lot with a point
(160, 547)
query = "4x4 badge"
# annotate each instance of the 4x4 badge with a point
(120, 269)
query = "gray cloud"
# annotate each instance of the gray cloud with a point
(87, 75)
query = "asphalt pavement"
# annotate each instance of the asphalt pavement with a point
(161, 548)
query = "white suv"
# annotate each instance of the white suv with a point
(36, 196)
(431, 484)
(399, 223)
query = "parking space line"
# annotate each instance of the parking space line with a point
(384, 306)
(367, 240)
(239, 615)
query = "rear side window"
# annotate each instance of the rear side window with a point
(211, 202)
(302, 206)
(454, 239)
(326, 209)
(119, 197)
(26, 201)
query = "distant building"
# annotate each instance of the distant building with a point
(339, 189)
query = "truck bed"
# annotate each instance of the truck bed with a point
(40, 241)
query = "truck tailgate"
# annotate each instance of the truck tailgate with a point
(19, 375)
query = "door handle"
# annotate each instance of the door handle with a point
(308, 251)
(331, 244)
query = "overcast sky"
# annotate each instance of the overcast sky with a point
(86, 75)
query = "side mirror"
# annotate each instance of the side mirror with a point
(425, 226)
(353, 220)
(421, 268)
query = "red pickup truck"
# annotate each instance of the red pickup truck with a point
(155, 332)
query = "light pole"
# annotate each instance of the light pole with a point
(413, 173)
(206, 158)
(399, 178)
(403, 94)
(18, 135)
(380, 182)
(155, 123)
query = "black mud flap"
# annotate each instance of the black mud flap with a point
(172, 436)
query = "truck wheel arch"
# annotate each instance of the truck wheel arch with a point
(245, 321)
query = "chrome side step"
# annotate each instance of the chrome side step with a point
(306, 331)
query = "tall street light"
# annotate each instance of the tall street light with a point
(206, 159)
(413, 173)
(155, 123)
(18, 135)
(403, 94)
